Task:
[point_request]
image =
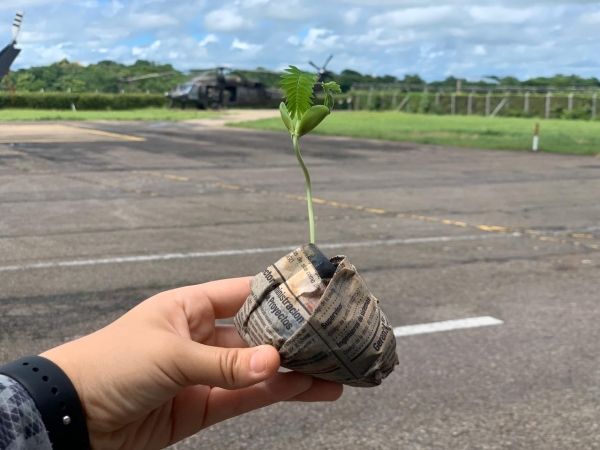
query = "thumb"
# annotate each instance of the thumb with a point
(227, 368)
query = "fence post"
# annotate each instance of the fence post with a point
(349, 101)
(500, 105)
(437, 98)
(357, 104)
(453, 104)
(594, 105)
(526, 105)
(470, 105)
(488, 104)
(571, 95)
(394, 99)
(370, 98)
(548, 104)
(536, 137)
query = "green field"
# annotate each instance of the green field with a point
(557, 136)
(157, 114)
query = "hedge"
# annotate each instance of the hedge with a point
(88, 102)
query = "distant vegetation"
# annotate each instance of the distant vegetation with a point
(104, 77)
(109, 77)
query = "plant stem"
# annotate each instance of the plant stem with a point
(311, 215)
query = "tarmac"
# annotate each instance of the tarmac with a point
(97, 217)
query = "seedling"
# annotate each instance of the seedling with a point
(301, 116)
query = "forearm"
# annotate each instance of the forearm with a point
(21, 425)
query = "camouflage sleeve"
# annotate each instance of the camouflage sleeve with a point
(21, 425)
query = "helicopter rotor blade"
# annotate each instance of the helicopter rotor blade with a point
(327, 62)
(16, 28)
(315, 66)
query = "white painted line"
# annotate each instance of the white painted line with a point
(449, 325)
(247, 251)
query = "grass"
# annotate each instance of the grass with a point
(151, 114)
(556, 136)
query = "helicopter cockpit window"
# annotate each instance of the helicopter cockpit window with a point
(187, 87)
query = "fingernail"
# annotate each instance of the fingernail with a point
(258, 362)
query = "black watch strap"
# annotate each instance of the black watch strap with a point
(56, 400)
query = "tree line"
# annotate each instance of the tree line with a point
(111, 77)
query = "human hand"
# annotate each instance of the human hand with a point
(165, 371)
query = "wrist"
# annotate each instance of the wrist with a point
(55, 398)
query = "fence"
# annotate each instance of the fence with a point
(551, 105)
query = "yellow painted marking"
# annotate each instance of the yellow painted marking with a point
(125, 137)
(175, 177)
(533, 234)
(582, 236)
(548, 239)
(376, 211)
(161, 175)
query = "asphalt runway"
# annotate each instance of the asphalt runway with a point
(97, 217)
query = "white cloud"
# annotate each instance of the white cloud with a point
(24, 4)
(433, 38)
(209, 39)
(319, 39)
(144, 52)
(244, 46)
(501, 15)
(251, 3)
(151, 21)
(112, 9)
(34, 37)
(290, 10)
(351, 16)
(293, 40)
(479, 50)
(591, 18)
(411, 17)
(226, 20)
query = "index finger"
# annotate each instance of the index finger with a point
(226, 296)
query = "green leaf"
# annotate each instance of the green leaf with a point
(285, 116)
(311, 120)
(299, 91)
(330, 88)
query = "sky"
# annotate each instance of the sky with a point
(435, 39)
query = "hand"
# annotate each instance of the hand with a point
(165, 371)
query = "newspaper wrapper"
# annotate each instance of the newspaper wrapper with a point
(321, 317)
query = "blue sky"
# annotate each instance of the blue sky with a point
(436, 38)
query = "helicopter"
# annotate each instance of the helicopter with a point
(323, 73)
(9, 53)
(222, 87)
